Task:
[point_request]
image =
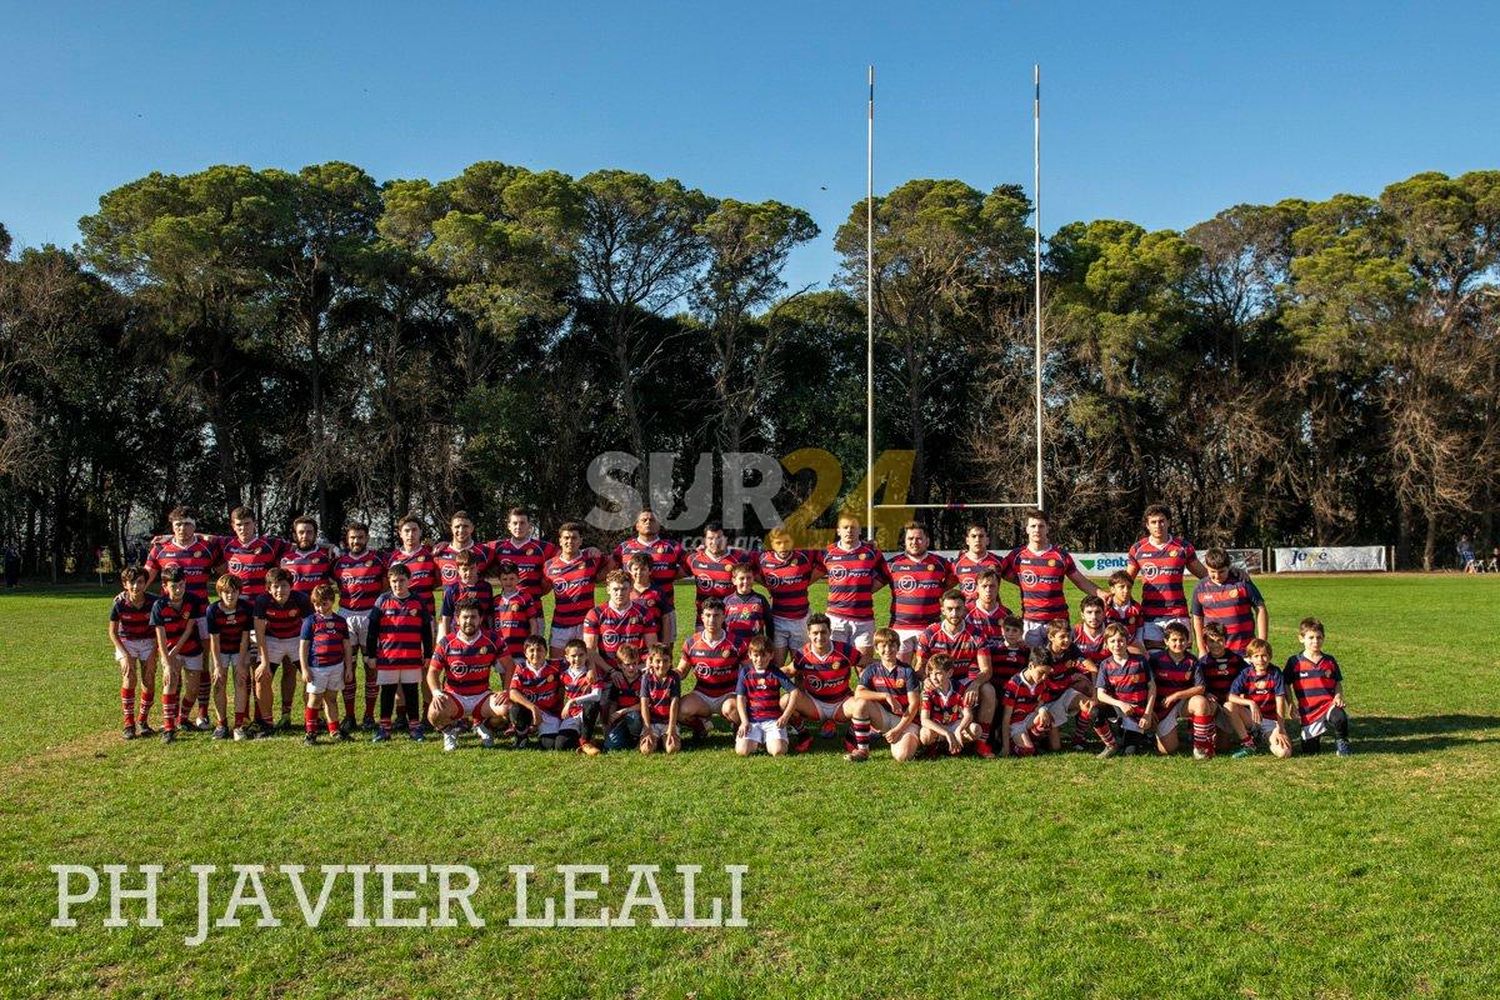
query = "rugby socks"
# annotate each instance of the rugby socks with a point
(1081, 728)
(310, 720)
(146, 697)
(387, 706)
(1248, 740)
(127, 705)
(372, 692)
(1204, 734)
(1106, 734)
(1022, 750)
(861, 730)
(413, 720)
(169, 711)
(332, 726)
(204, 684)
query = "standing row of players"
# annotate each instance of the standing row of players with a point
(387, 608)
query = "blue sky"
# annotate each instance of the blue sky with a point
(1159, 113)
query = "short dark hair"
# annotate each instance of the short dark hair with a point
(1216, 558)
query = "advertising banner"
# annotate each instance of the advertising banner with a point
(1331, 559)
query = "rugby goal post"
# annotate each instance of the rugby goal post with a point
(1036, 162)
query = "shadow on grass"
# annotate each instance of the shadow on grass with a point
(1421, 733)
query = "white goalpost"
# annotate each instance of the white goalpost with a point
(870, 505)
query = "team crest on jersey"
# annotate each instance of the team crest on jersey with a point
(906, 584)
(1172, 553)
(1051, 562)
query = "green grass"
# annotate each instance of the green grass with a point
(1053, 877)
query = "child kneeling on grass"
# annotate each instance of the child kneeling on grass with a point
(661, 700)
(623, 724)
(1315, 681)
(1024, 717)
(1259, 695)
(947, 722)
(765, 702)
(1126, 693)
(887, 700)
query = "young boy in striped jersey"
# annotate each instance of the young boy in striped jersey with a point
(1317, 685)
(177, 617)
(131, 634)
(887, 699)
(660, 700)
(1122, 608)
(536, 696)
(1125, 692)
(787, 572)
(1260, 694)
(765, 702)
(230, 622)
(400, 643)
(279, 614)
(584, 693)
(1219, 666)
(623, 724)
(1024, 718)
(946, 717)
(360, 575)
(1180, 690)
(469, 587)
(326, 663)
(746, 613)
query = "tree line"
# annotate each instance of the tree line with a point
(318, 341)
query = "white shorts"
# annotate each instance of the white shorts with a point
(1312, 730)
(407, 675)
(549, 725)
(827, 710)
(1167, 721)
(227, 661)
(659, 730)
(329, 679)
(359, 626)
(788, 633)
(562, 636)
(883, 719)
(764, 732)
(137, 649)
(1058, 707)
(952, 729)
(1155, 629)
(282, 649)
(1017, 728)
(467, 703)
(858, 632)
(909, 637)
(1129, 723)
(192, 663)
(1033, 632)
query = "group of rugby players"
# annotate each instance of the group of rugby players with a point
(955, 671)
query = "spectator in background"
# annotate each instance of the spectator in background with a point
(1493, 566)
(1466, 561)
(12, 566)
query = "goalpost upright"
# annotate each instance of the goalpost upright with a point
(870, 505)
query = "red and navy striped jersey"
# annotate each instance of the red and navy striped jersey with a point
(1160, 568)
(231, 626)
(762, 690)
(967, 569)
(134, 621)
(962, 648)
(1219, 672)
(360, 579)
(445, 556)
(1066, 668)
(917, 587)
(990, 625)
(585, 683)
(657, 694)
(787, 580)
(655, 605)
(900, 683)
(481, 591)
(1091, 646)
(1313, 685)
(1173, 675)
(853, 577)
(747, 615)
(715, 664)
(1040, 575)
(250, 560)
(529, 556)
(1233, 604)
(572, 583)
(309, 567)
(515, 615)
(283, 621)
(715, 577)
(1007, 661)
(943, 707)
(424, 572)
(1022, 697)
(1129, 681)
(624, 690)
(825, 677)
(196, 559)
(668, 561)
(399, 635)
(466, 663)
(1261, 689)
(542, 686)
(613, 627)
(178, 619)
(1130, 616)
(327, 633)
